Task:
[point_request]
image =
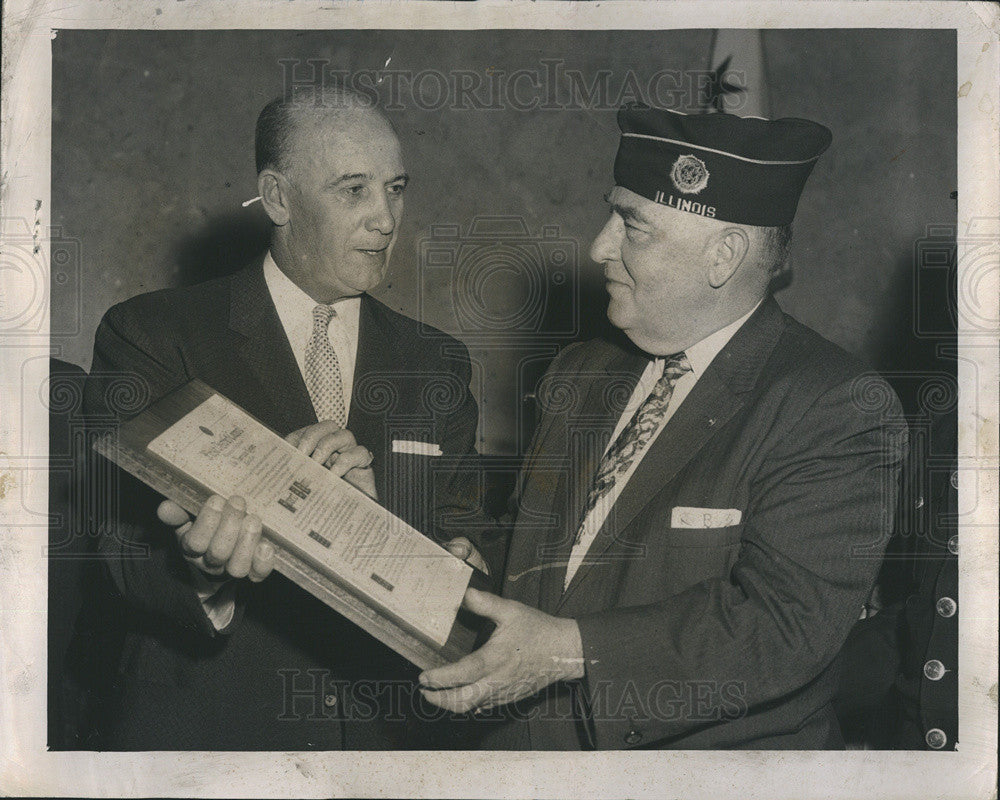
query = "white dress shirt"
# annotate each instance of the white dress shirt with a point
(700, 355)
(295, 309)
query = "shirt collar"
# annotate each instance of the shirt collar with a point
(293, 303)
(702, 353)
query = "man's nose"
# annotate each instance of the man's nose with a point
(606, 245)
(382, 216)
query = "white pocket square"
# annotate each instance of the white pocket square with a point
(687, 517)
(416, 448)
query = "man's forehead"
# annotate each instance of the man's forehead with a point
(622, 199)
(357, 124)
(361, 143)
(636, 207)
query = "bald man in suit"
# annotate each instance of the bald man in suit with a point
(221, 654)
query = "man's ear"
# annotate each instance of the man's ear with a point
(272, 187)
(729, 250)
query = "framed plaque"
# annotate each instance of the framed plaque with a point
(329, 537)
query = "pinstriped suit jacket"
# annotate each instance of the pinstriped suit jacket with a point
(708, 637)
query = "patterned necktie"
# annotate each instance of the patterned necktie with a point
(323, 370)
(635, 435)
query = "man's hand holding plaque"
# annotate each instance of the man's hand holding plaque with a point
(224, 541)
(337, 450)
(259, 502)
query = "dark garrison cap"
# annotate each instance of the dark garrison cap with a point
(746, 170)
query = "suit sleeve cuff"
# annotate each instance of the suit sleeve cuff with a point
(217, 597)
(616, 711)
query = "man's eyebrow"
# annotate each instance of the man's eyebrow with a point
(628, 212)
(354, 176)
(367, 176)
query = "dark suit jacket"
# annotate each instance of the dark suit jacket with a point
(84, 617)
(708, 637)
(288, 673)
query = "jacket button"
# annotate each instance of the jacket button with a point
(953, 545)
(330, 700)
(936, 738)
(946, 607)
(633, 737)
(954, 479)
(934, 670)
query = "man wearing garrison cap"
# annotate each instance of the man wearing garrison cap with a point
(703, 508)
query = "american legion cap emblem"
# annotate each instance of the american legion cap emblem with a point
(689, 174)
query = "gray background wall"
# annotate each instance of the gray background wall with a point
(152, 156)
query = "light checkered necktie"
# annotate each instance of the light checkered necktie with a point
(635, 435)
(323, 369)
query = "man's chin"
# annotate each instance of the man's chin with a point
(370, 273)
(634, 333)
(616, 314)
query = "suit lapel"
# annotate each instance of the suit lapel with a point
(719, 393)
(263, 346)
(587, 438)
(280, 394)
(377, 358)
